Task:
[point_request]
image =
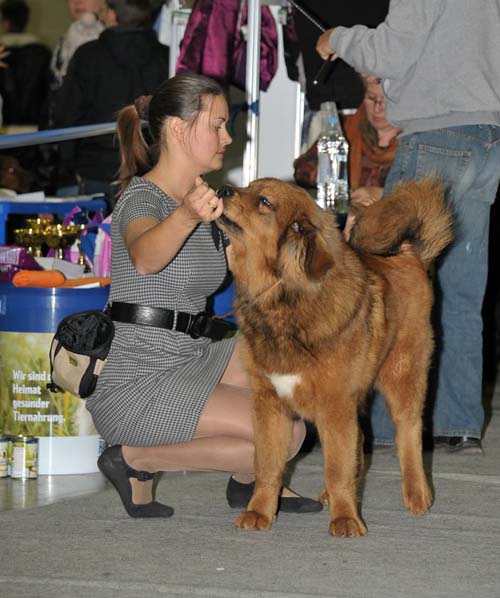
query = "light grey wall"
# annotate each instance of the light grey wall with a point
(48, 20)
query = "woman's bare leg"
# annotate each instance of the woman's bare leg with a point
(235, 373)
(223, 441)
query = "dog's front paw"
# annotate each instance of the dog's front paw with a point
(418, 498)
(346, 527)
(251, 520)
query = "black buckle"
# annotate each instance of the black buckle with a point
(198, 325)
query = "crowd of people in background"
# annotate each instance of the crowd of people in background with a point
(24, 82)
(121, 60)
(124, 62)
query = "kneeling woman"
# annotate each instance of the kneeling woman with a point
(166, 401)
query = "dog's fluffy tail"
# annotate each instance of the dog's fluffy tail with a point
(415, 211)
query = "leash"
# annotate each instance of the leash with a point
(307, 15)
(315, 22)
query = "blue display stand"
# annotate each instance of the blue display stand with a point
(68, 441)
(25, 309)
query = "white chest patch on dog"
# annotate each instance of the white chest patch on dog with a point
(284, 384)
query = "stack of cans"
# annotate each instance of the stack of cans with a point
(19, 457)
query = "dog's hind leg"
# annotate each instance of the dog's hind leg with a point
(403, 389)
(340, 438)
(273, 431)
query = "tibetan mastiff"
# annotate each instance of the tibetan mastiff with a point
(324, 321)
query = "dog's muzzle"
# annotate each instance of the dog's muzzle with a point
(225, 192)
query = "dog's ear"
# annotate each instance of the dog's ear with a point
(317, 258)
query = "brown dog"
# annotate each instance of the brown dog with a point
(323, 323)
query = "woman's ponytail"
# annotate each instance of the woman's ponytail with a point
(134, 151)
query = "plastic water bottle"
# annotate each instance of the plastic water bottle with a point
(333, 153)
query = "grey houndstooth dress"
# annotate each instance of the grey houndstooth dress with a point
(156, 382)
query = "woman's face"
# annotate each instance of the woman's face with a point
(374, 106)
(209, 138)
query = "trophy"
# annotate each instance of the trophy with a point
(42, 231)
(32, 236)
(60, 236)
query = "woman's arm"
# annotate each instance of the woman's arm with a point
(152, 245)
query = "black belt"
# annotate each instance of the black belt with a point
(195, 325)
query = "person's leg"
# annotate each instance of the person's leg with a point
(467, 159)
(462, 277)
(223, 441)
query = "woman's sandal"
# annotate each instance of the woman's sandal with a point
(238, 496)
(113, 466)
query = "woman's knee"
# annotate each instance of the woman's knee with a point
(298, 437)
(228, 413)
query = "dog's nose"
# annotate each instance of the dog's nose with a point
(225, 192)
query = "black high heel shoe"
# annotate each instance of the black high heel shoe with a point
(238, 496)
(113, 466)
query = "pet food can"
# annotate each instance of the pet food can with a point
(24, 457)
(4, 456)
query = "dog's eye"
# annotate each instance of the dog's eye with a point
(265, 202)
(297, 228)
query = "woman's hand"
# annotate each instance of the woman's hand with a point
(365, 196)
(201, 203)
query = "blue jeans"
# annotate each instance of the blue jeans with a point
(467, 160)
